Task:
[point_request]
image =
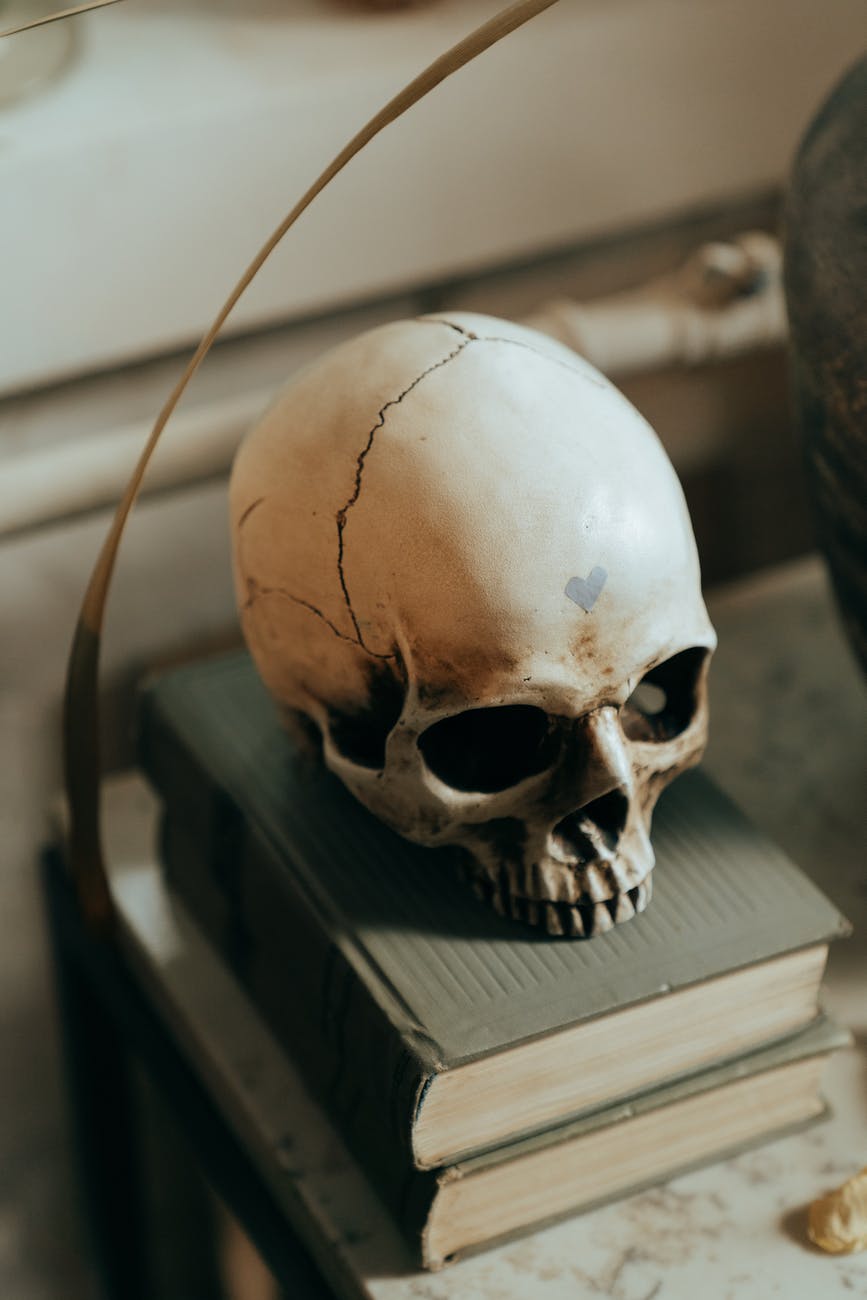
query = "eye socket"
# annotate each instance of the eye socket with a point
(663, 703)
(360, 736)
(488, 750)
(648, 698)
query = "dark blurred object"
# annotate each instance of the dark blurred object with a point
(826, 293)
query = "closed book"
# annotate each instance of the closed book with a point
(432, 1028)
(618, 1150)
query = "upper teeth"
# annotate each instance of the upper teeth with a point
(565, 918)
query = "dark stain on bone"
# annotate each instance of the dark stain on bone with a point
(343, 512)
(361, 734)
(584, 644)
(505, 835)
(477, 674)
(304, 734)
(482, 886)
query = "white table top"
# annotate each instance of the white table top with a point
(789, 742)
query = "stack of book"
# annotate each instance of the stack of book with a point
(488, 1077)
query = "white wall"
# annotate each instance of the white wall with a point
(136, 187)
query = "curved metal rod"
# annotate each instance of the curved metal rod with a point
(53, 18)
(81, 700)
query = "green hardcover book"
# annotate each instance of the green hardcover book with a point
(618, 1150)
(432, 1028)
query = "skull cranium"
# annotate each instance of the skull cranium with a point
(465, 556)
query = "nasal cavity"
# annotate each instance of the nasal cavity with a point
(597, 823)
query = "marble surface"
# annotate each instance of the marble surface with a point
(789, 742)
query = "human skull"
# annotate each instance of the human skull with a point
(466, 557)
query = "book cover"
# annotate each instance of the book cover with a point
(372, 953)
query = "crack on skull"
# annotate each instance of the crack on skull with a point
(255, 592)
(515, 343)
(449, 324)
(342, 514)
(546, 356)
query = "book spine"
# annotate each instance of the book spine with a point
(353, 1062)
(358, 1060)
(366, 1068)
